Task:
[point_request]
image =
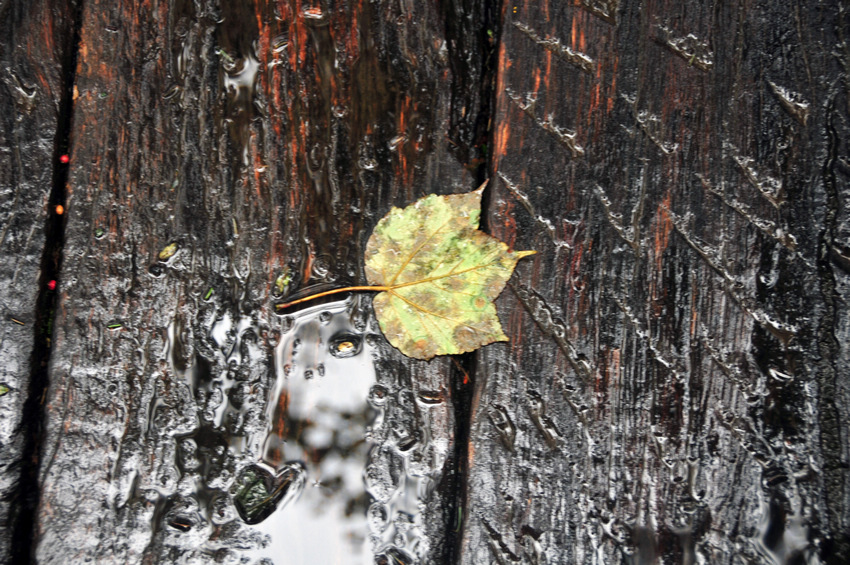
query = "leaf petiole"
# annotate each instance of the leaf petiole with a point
(334, 291)
(391, 287)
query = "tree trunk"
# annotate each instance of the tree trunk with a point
(676, 387)
(224, 154)
(35, 56)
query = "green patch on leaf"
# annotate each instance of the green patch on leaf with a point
(4, 389)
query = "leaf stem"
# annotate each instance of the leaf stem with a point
(334, 291)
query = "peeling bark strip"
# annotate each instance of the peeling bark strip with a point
(690, 342)
(36, 52)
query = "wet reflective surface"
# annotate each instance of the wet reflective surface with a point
(329, 470)
(676, 386)
(318, 414)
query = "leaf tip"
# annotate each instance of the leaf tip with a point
(522, 254)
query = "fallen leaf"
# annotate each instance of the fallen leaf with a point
(441, 276)
(436, 276)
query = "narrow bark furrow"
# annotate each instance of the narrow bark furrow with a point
(27, 495)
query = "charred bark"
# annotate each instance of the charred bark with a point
(676, 387)
(225, 157)
(36, 56)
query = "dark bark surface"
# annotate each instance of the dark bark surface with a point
(261, 141)
(676, 387)
(36, 43)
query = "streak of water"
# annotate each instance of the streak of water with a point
(317, 416)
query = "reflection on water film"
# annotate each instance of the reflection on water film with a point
(286, 458)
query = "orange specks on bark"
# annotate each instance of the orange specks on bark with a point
(300, 34)
(504, 65)
(612, 91)
(663, 227)
(573, 31)
(500, 140)
(308, 266)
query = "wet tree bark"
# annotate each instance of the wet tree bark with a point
(676, 387)
(35, 48)
(219, 148)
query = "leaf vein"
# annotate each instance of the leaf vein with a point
(426, 311)
(417, 250)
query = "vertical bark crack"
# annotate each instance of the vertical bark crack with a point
(472, 32)
(24, 506)
(830, 430)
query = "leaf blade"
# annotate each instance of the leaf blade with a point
(441, 275)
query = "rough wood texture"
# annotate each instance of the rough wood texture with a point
(35, 39)
(677, 385)
(260, 138)
(676, 389)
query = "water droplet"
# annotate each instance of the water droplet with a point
(156, 270)
(182, 523)
(396, 141)
(308, 374)
(378, 395)
(345, 345)
(258, 494)
(171, 92)
(320, 369)
(430, 397)
(325, 317)
(367, 164)
(399, 556)
(406, 443)
(313, 13)
(322, 266)
(377, 517)
(280, 43)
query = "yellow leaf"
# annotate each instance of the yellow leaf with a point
(437, 276)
